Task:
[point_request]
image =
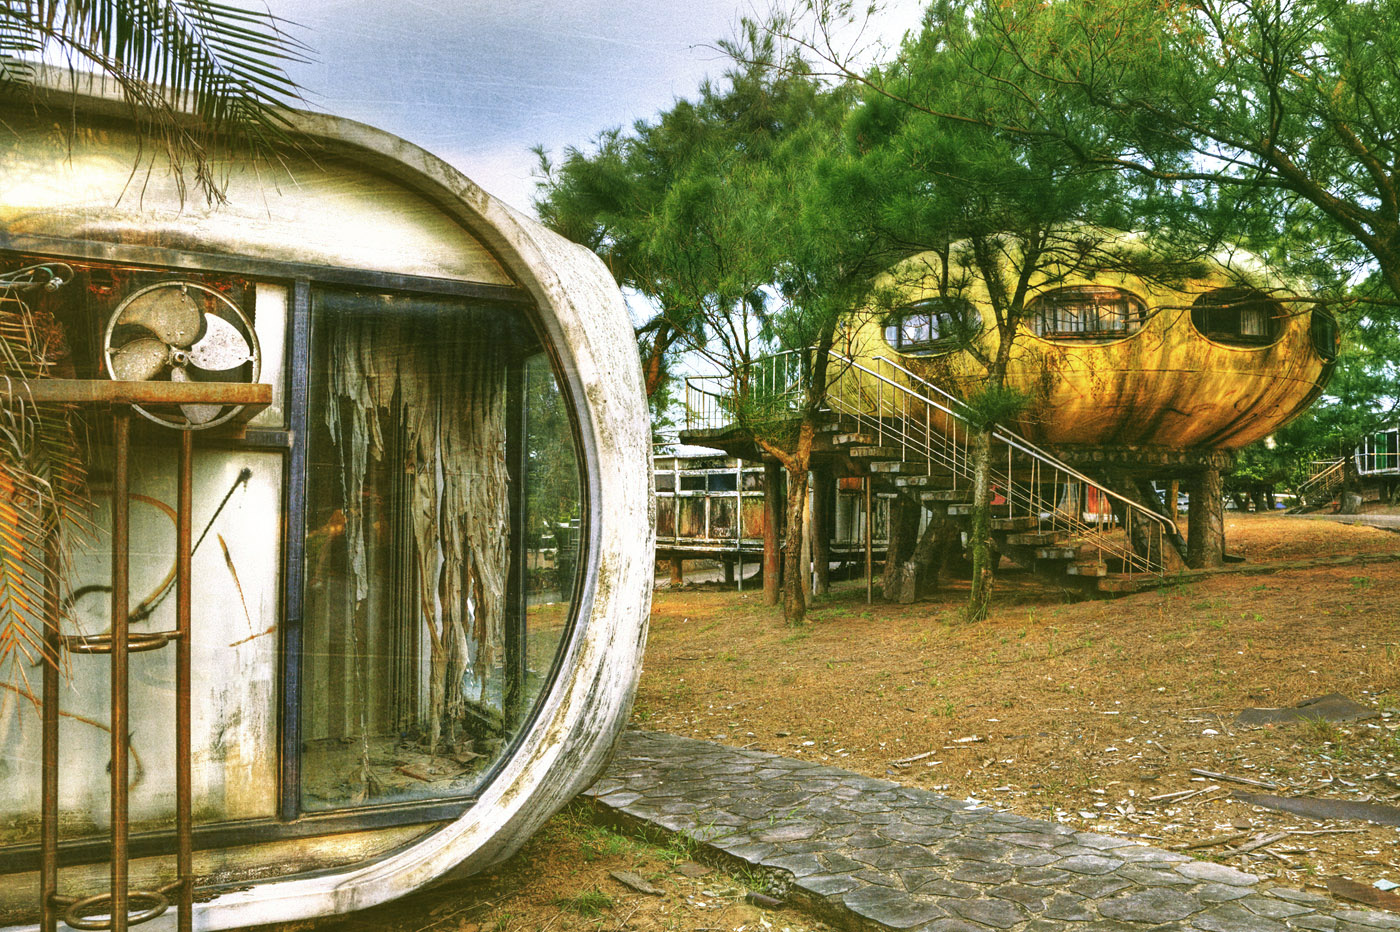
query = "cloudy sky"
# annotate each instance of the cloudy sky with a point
(478, 82)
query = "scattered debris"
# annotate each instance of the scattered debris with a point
(1334, 707)
(906, 761)
(1183, 795)
(1211, 775)
(1361, 893)
(693, 870)
(1324, 809)
(1261, 841)
(1211, 842)
(636, 882)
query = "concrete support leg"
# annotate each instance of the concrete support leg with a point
(772, 531)
(1205, 521)
(728, 572)
(677, 572)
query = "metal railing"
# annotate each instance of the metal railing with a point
(1326, 479)
(1378, 454)
(926, 425)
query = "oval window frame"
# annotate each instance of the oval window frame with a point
(934, 309)
(1229, 303)
(1134, 315)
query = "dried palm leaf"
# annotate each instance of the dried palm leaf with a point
(42, 481)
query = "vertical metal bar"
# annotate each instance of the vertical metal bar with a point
(183, 816)
(739, 518)
(517, 618)
(294, 545)
(120, 697)
(869, 547)
(48, 819)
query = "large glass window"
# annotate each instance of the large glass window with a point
(933, 326)
(442, 496)
(1240, 316)
(1326, 339)
(1086, 312)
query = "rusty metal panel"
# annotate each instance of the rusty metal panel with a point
(754, 517)
(691, 517)
(665, 516)
(722, 515)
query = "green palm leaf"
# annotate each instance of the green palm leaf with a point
(199, 73)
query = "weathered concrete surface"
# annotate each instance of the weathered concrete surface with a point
(863, 853)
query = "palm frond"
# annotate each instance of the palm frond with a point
(197, 73)
(42, 482)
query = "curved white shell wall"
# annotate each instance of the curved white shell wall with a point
(431, 221)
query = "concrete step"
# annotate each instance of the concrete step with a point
(1057, 553)
(1087, 568)
(998, 511)
(955, 496)
(849, 440)
(896, 468)
(924, 482)
(1035, 539)
(1014, 524)
(874, 453)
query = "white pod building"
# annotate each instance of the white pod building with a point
(421, 571)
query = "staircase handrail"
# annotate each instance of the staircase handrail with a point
(1322, 478)
(1012, 439)
(711, 403)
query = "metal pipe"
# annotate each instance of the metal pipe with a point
(120, 697)
(183, 816)
(869, 548)
(739, 518)
(48, 819)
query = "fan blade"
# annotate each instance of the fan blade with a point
(139, 360)
(169, 313)
(195, 414)
(222, 346)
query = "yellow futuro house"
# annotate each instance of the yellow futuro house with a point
(1213, 359)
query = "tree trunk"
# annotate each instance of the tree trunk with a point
(823, 492)
(1349, 498)
(794, 578)
(980, 541)
(937, 550)
(1172, 556)
(902, 538)
(772, 526)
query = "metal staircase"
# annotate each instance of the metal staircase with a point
(914, 438)
(1322, 486)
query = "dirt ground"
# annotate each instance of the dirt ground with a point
(1080, 712)
(561, 881)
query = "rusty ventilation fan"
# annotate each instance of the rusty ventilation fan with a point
(182, 331)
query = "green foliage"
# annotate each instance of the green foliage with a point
(996, 404)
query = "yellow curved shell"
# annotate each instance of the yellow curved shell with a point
(1165, 385)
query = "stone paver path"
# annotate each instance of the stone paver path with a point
(863, 853)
